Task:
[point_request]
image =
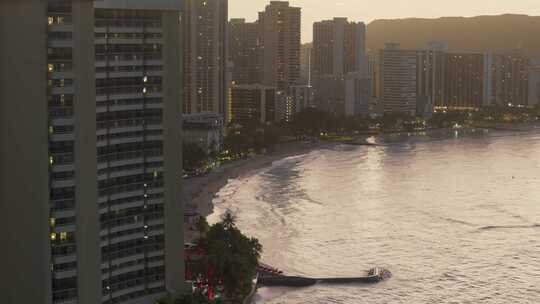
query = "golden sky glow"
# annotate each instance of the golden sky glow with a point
(362, 10)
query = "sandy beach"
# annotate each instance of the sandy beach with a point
(200, 191)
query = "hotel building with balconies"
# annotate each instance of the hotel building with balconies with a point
(91, 109)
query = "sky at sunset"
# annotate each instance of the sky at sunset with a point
(362, 10)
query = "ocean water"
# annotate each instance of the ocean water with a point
(455, 217)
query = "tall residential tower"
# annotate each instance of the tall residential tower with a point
(205, 25)
(339, 70)
(279, 36)
(244, 51)
(339, 47)
(90, 107)
(398, 75)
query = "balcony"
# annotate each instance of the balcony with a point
(60, 159)
(127, 269)
(138, 235)
(64, 259)
(66, 27)
(62, 137)
(60, 43)
(62, 118)
(138, 256)
(65, 228)
(126, 194)
(64, 213)
(127, 158)
(130, 125)
(123, 173)
(65, 296)
(62, 90)
(132, 286)
(63, 183)
(63, 274)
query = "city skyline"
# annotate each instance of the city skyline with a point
(317, 10)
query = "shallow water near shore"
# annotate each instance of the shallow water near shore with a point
(455, 217)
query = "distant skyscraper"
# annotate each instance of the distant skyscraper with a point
(398, 73)
(357, 94)
(249, 103)
(279, 36)
(509, 79)
(205, 24)
(441, 79)
(338, 48)
(95, 151)
(462, 79)
(329, 94)
(301, 97)
(305, 63)
(244, 51)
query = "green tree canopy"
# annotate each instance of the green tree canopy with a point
(194, 156)
(233, 256)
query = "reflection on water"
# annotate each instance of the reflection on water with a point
(456, 219)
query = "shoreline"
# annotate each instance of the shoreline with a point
(199, 192)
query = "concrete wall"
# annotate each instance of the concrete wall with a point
(86, 206)
(24, 182)
(174, 206)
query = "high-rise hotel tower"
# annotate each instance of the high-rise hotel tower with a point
(279, 39)
(90, 107)
(205, 57)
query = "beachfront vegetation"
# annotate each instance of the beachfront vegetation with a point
(194, 157)
(252, 137)
(190, 299)
(230, 258)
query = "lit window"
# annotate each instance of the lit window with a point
(53, 236)
(50, 67)
(50, 20)
(52, 221)
(63, 236)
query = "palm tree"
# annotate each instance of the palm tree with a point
(229, 220)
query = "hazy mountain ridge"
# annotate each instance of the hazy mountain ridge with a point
(502, 32)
